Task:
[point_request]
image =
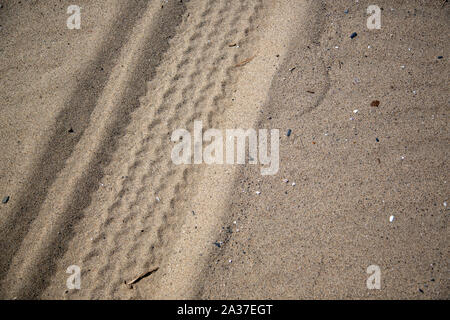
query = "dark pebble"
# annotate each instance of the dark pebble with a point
(289, 132)
(353, 35)
(440, 57)
(421, 291)
(5, 199)
(378, 140)
(375, 103)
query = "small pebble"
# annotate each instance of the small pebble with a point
(445, 203)
(355, 111)
(391, 218)
(346, 11)
(375, 103)
(5, 199)
(285, 180)
(258, 192)
(440, 57)
(289, 133)
(293, 184)
(353, 35)
(158, 199)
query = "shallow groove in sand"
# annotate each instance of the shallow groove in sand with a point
(189, 86)
(77, 115)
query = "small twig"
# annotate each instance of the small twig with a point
(142, 276)
(243, 63)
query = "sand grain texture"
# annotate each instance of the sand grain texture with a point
(87, 116)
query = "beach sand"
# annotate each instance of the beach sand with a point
(87, 177)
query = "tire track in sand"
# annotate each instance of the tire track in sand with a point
(37, 234)
(135, 231)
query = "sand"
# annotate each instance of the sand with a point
(85, 127)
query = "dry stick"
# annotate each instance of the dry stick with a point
(243, 63)
(142, 276)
